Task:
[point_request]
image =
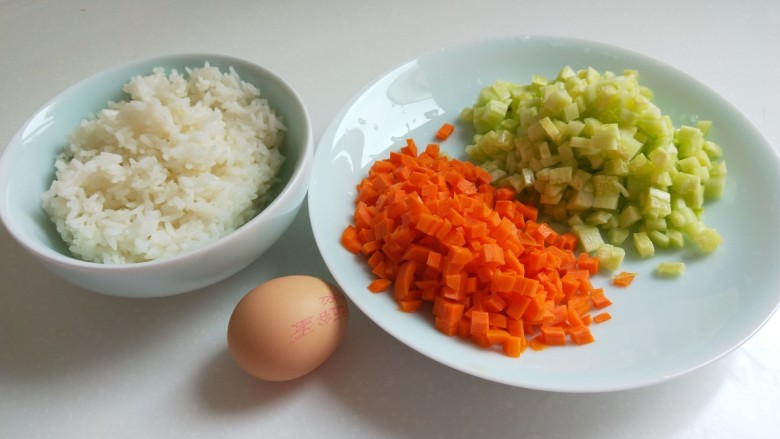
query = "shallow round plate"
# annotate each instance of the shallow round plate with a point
(661, 328)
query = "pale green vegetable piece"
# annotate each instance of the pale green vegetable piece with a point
(590, 237)
(617, 235)
(643, 244)
(670, 269)
(610, 256)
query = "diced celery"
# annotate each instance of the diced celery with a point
(695, 198)
(641, 166)
(610, 256)
(617, 235)
(612, 221)
(704, 126)
(670, 269)
(574, 128)
(527, 177)
(654, 223)
(676, 238)
(580, 179)
(555, 98)
(629, 216)
(659, 238)
(657, 203)
(606, 137)
(566, 73)
(516, 182)
(643, 245)
(490, 115)
(683, 183)
(689, 140)
(605, 185)
(598, 217)
(579, 142)
(574, 220)
(582, 200)
(565, 152)
(618, 167)
(629, 145)
(589, 237)
(713, 150)
(560, 175)
(593, 145)
(498, 91)
(571, 112)
(707, 239)
(536, 132)
(714, 187)
(606, 201)
(550, 128)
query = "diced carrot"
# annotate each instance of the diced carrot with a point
(446, 327)
(437, 231)
(349, 239)
(567, 241)
(492, 254)
(623, 279)
(464, 328)
(497, 336)
(452, 311)
(587, 319)
(602, 317)
(459, 255)
(416, 252)
(553, 335)
(497, 319)
(517, 306)
(581, 335)
(589, 263)
(537, 343)
(379, 285)
(404, 279)
(445, 131)
(598, 298)
(409, 305)
(573, 318)
(502, 282)
(513, 346)
(514, 327)
(410, 148)
(370, 247)
(434, 260)
(480, 323)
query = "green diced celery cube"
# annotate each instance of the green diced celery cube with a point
(670, 269)
(643, 244)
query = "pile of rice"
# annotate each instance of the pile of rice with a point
(186, 160)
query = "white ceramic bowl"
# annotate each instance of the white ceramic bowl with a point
(27, 169)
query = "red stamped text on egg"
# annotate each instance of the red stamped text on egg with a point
(305, 326)
(302, 328)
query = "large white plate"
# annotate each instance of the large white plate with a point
(661, 328)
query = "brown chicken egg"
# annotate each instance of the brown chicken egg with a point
(287, 327)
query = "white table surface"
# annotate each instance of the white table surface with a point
(77, 364)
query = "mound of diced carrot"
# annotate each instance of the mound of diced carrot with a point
(436, 231)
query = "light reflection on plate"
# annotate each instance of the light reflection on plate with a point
(661, 328)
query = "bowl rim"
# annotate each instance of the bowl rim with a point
(300, 174)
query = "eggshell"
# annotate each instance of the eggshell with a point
(287, 327)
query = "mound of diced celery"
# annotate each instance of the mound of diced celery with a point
(593, 151)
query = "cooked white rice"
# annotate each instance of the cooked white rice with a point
(187, 159)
